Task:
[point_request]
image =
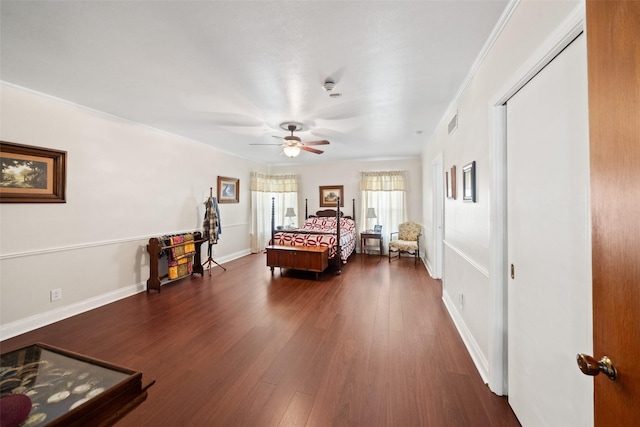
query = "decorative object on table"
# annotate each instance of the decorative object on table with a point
(290, 214)
(469, 182)
(330, 195)
(406, 240)
(228, 190)
(68, 389)
(14, 409)
(451, 183)
(32, 174)
(371, 214)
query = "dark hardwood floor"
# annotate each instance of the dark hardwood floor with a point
(371, 347)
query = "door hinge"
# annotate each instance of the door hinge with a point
(513, 272)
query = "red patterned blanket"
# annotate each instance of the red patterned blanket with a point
(321, 232)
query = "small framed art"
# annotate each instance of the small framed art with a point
(330, 194)
(32, 174)
(451, 183)
(228, 190)
(469, 182)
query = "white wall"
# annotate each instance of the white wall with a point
(125, 184)
(467, 225)
(348, 174)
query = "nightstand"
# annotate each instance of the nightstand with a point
(370, 235)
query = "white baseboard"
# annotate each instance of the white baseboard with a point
(28, 324)
(428, 265)
(472, 346)
(43, 319)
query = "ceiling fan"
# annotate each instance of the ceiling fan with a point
(293, 144)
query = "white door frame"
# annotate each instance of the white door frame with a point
(553, 45)
(438, 216)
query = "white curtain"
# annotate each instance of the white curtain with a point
(386, 192)
(384, 181)
(284, 188)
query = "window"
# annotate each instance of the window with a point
(386, 192)
(284, 188)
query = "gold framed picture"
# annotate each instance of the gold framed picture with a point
(330, 194)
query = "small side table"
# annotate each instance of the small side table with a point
(368, 248)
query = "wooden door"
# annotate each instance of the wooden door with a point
(549, 298)
(613, 40)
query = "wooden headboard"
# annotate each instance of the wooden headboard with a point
(328, 213)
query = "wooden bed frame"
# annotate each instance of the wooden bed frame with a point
(337, 259)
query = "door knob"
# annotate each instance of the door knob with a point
(590, 366)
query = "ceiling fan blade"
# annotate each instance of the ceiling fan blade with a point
(265, 144)
(319, 142)
(311, 150)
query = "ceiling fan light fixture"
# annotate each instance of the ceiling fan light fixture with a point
(291, 151)
(328, 85)
(292, 139)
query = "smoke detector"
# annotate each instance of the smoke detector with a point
(328, 85)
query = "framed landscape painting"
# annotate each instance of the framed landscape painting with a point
(32, 174)
(330, 194)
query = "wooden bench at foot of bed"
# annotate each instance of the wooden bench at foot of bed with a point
(306, 258)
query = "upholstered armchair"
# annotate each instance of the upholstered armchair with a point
(406, 240)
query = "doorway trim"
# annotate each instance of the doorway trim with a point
(559, 39)
(438, 216)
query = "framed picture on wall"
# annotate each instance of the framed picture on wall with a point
(451, 183)
(228, 190)
(469, 182)
(32, 174)
(330, 194)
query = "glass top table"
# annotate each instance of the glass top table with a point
(69, 389)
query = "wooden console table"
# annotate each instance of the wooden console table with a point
(306, 258)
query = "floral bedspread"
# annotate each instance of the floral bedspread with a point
(321, 232)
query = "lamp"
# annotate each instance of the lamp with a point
(371, 213)
(290, 214)
(291, 150)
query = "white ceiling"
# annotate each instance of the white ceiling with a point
(227, 73)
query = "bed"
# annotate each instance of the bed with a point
(321, 230)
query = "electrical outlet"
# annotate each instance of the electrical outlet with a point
(56, 294)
